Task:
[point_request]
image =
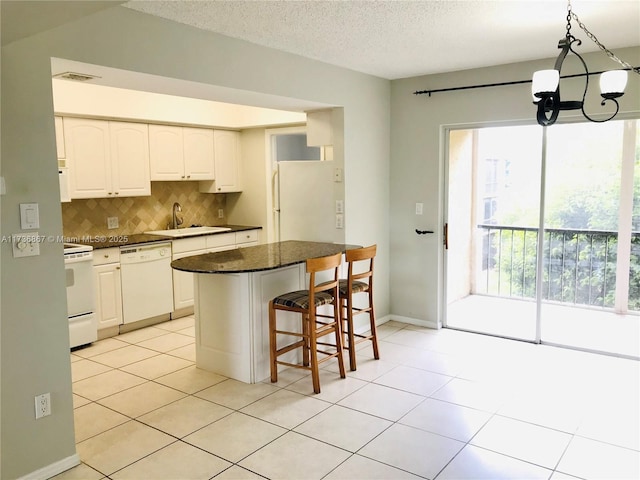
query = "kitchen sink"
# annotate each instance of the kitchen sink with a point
(188, 231)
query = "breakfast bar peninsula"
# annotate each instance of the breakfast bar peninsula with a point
(232, 293)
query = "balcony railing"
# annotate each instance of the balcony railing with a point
(579, 266)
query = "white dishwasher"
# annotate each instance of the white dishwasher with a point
(147, 285)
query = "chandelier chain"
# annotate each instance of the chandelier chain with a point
(595, 40)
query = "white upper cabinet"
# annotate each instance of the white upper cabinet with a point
(198, 153)
(166, 152)
(181, 153)
(130, 159)
(88, 157)
(227, 163)
(106, 159)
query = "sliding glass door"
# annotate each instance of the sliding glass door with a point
(590, 290)
(580, 286)
(493, 213)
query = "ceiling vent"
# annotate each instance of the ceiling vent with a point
(78, 77)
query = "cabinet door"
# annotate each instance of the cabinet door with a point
(227, 160)
(60, 138)
(183, 293)
(198, 153)
(166, 154)
(108, 295)
(130, 159)
(88, 157)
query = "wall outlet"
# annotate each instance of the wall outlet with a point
(339, 220)
(112, 222)
(220, 213)
(43, 405)
(339, 206)
(26, 244)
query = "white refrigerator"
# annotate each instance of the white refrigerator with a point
(304, 205)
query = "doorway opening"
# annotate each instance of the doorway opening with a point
(544, 234)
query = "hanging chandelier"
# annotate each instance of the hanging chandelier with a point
(545, 86)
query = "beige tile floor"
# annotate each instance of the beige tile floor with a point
(438, 405)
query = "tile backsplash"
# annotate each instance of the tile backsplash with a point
(82, 217)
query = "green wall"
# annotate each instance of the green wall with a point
(418, 169)
(34, 335)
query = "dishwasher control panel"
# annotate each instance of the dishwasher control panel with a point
(145, 253)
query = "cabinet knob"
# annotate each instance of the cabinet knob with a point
(188, 176)
(106, 256)
(219, 188)
(117, 193)
(182, 176)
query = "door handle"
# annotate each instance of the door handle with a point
(446, 236)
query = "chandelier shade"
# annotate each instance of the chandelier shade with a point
(613, 83)
(545, 84)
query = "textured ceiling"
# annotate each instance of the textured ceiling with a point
(397, 38)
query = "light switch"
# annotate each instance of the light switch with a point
(419, 207)
(339, 206)
(337, 175)
(29, 216)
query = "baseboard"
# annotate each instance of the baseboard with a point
(53, 469)
(362, 322)
(182, 312)
(412, 321)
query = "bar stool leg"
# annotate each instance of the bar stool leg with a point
(339, 337)
(351, 334)
(273, 347)
(315, 374)
(374, 330)
(306, 327)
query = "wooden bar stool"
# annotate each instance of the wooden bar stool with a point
(314, 325)
(361, 282)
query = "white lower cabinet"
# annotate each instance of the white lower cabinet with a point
(108, 287)
(221, 242)
(183, 281)
(108, 283)
(183, 291)
(248, 238)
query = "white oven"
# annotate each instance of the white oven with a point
(78, 266)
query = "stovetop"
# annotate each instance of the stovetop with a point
(70, 248)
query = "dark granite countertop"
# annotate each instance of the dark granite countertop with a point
(121, 240)
(261, 257)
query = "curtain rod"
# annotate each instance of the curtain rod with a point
(501, 84)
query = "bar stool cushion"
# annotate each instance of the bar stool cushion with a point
(357, 287)
(300, 299)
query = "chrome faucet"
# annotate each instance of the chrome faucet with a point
(175, 220)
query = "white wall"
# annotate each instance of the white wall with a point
(248, 208)
(35, 357)
(417, 166)
(77, 98)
